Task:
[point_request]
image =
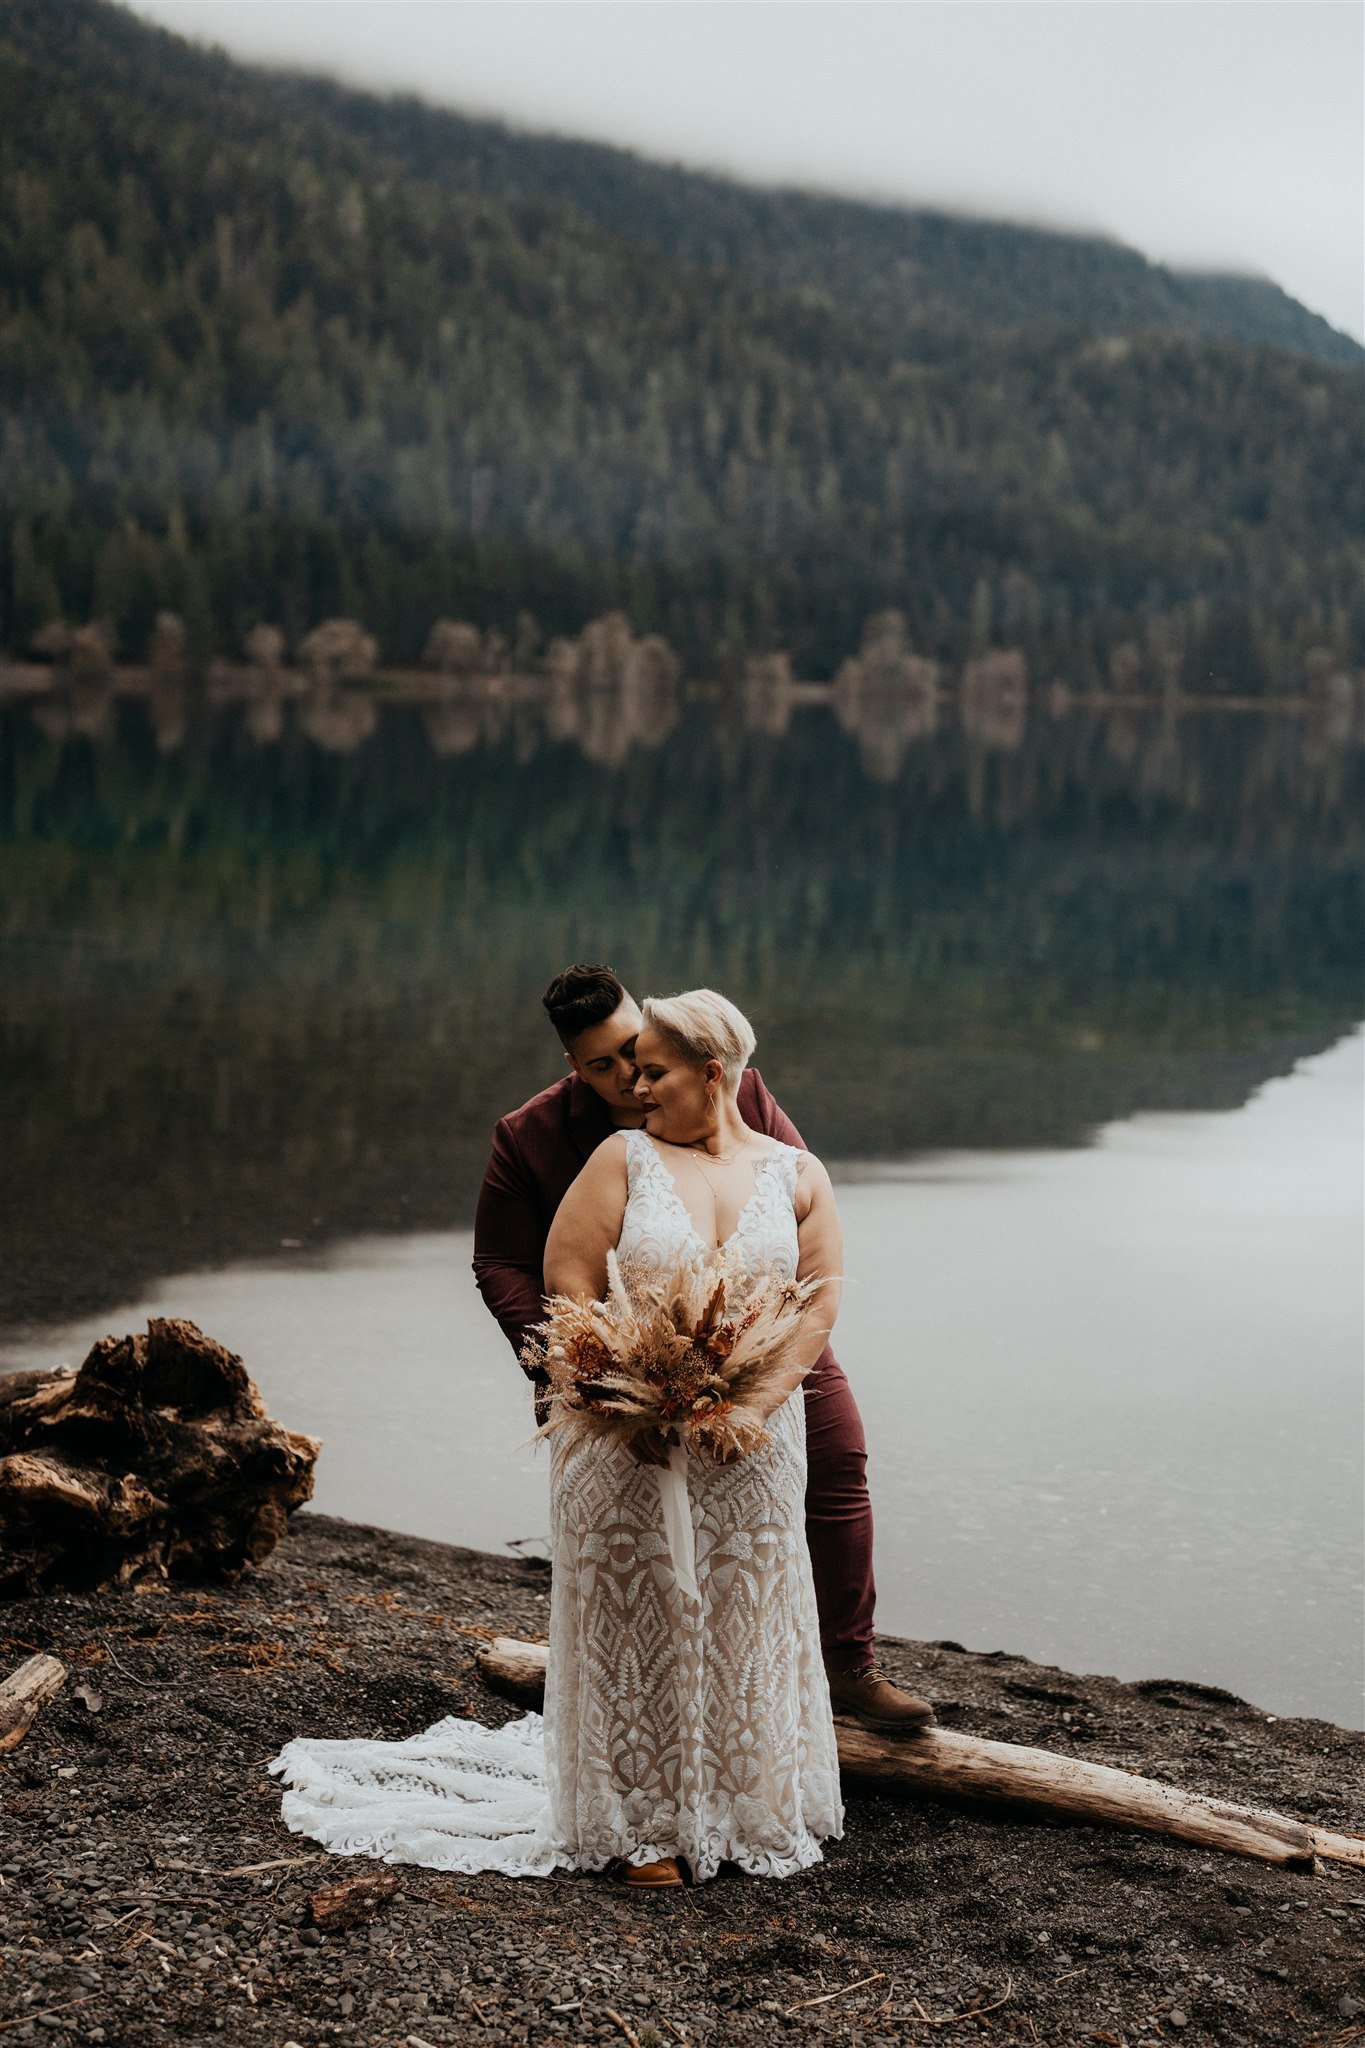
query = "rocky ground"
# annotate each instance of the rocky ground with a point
(150, 1894)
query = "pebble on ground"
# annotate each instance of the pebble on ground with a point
(149, 1892)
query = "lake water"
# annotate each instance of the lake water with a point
(1113, 1397)
(1070, 1001)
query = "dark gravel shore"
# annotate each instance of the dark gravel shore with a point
(131, 1914)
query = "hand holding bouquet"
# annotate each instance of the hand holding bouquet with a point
(694, 1354)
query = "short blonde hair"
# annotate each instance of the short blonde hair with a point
(702, 1025)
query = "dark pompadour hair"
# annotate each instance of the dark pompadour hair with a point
(581, 997)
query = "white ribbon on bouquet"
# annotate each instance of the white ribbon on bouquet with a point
(677, 1507)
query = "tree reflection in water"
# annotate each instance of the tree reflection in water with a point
(276, 947)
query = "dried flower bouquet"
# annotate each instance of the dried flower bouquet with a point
(684, 1352)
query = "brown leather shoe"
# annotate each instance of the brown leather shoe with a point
(652, 1877)
(870, 1697)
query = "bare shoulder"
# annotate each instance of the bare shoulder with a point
(813, 1184)
(605, 1166)
(597, 1198)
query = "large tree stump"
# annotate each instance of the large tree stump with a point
(942, 1764)
(157, 1459)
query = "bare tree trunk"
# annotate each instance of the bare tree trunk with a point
(945, 1765)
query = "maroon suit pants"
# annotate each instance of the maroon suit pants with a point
(839, 1518)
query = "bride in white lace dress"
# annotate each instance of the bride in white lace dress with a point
(687, 1714)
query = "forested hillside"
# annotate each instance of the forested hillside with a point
(897, 267)
(266, 355)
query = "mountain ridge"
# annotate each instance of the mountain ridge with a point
(259, 369)
(910, 264)
(698, 216)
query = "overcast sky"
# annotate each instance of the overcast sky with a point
(1219, 133)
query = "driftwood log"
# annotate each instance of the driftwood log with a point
(942, 1764)
(156, 1459)
(24, 1692)
(354, 1901)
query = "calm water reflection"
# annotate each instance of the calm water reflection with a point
(273, 966)
(1113, 1395)
(273, 970)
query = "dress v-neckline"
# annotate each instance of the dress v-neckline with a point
(673, 1190)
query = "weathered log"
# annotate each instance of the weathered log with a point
(24, 1693)
(156, 1459)
(943, 1764)
(515, 1669)
(353, 1901)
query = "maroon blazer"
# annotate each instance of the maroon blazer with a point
(538, 1152)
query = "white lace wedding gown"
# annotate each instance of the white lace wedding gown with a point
(673, 1726)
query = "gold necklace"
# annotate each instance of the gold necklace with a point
(721, 1159)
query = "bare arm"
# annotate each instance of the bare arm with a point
(820, 1241)
(587, 1224)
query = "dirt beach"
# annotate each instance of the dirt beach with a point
(149, 1892)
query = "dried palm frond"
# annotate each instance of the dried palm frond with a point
(685, 1351)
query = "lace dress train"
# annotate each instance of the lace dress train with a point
(673, 1725)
